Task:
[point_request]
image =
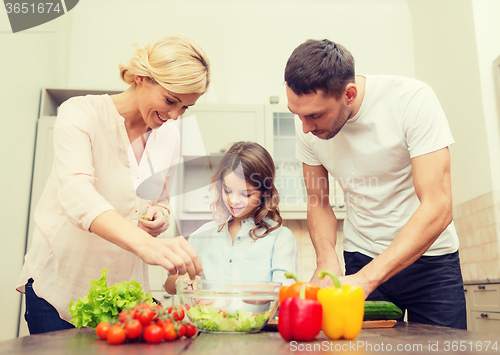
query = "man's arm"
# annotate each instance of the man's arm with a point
(322, 222)
(431, 178)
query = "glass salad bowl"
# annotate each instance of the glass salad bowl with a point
(229, 306)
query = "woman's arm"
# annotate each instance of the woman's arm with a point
(174, 254)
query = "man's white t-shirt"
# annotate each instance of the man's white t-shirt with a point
(400, 118)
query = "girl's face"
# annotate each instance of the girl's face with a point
(240, 197)
(157, 105)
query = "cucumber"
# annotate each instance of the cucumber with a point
(381, 310)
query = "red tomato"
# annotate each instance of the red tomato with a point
(124, 315)
(190, 330)
(116, 335)
(144, 314)
(133, 329)
(181, 330)
(102, 330)
(157, 307)
(161, 322)
(177, 312)
(153, 334)
(169, 332)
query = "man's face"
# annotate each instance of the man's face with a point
(322, 115)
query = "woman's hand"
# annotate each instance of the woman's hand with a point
(157, 221)
(174, 254)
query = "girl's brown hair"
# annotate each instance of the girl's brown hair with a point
(259, 171)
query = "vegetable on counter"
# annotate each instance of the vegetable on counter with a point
(103, 303)
(207, 318)
(294, 289)
(381, 310)
(300, 318)
(343, 308)
(144, 322)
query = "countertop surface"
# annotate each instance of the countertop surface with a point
(404, 338)
(482, 281)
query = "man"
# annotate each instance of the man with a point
(385, 139)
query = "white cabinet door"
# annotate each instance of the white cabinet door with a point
(221, 125)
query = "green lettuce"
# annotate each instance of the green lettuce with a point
(104, 303)
(207, 318)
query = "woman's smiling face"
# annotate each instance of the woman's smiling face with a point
(240, 197)
(157, 105)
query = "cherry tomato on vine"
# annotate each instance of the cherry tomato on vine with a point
(102, 330)
(144, 314)
(116, 335)
(133, 329)
(181, 330)
(177, 312)
(153, 334)
(124, 315)
(169, 332)
(161, 321)
(190, 330)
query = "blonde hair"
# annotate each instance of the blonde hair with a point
(259, 171)
(175, 62)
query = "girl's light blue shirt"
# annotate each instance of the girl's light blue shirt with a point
(263, 259)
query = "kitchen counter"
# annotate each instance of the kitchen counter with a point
(404, 338)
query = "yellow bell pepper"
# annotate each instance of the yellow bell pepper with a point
(343, 308)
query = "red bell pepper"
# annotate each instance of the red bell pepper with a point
(300, 318)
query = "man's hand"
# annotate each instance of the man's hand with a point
(334, 266)
(155, 221)
(358, 280)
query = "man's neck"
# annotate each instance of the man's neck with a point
(360, 82)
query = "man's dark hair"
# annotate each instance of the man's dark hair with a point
(319, 64)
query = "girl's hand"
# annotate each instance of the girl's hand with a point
(155, 221)
(174, 254)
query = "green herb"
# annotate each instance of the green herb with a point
(104, 303)
(208, 318)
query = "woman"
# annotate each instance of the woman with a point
(88, 217)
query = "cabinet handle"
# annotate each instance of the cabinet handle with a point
(481, 287)
(484, 315)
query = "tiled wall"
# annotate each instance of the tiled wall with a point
(307, 254)
(478, 227)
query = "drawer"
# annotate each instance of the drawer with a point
(484, 297)
(485, 322)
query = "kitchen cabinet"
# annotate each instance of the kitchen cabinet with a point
(483, 307)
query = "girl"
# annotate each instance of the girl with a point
(246, 240)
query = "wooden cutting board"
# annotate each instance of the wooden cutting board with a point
(368, 324)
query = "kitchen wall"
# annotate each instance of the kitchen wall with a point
(455, 56)
(248, 43)
(29, 60)
(478, 227)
